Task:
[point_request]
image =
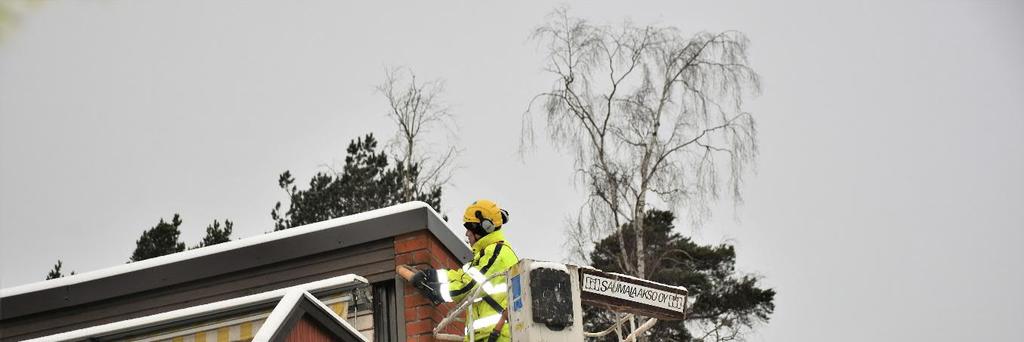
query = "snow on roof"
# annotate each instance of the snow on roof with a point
(218, 248)
(200, 310)
(277, 317)
(549, 265)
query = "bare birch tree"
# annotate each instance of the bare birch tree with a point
(416, 108)
(649, 114)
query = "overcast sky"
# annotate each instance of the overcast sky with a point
(887, 204)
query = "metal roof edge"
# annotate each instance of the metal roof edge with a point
(447, 236)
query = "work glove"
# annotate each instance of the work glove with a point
(426, 282)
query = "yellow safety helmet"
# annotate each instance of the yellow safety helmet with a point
(484, 217)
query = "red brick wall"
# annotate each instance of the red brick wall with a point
(422, 250)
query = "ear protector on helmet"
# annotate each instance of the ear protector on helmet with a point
(485, 226)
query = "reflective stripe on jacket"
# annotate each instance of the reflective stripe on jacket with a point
(491, 256)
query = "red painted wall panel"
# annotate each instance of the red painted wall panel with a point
(309, 331)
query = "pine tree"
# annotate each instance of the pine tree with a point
(721, 301)
(216, 234)
(160, 240)
(56, 271)
(365, 183)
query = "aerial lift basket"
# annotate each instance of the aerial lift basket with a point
(545, 303)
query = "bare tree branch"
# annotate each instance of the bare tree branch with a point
(647, 114)
(417, 110)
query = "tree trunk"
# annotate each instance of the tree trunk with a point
(407, 181)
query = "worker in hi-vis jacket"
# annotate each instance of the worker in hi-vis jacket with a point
(492, 256)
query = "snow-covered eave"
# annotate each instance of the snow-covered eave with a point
(215, 249)
(205, 309)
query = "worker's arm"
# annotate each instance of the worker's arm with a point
(433, 284)
(495, 259)
(460, 284)
(439, 285)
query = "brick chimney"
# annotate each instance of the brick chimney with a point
(422, 250)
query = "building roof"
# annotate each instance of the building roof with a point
(288, 305)
(229, 257)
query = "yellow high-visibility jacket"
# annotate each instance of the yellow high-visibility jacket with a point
(491, 255)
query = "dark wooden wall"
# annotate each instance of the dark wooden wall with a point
(372, 260)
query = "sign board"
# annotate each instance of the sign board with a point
(624, 293)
